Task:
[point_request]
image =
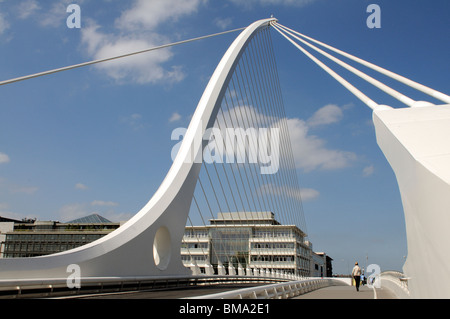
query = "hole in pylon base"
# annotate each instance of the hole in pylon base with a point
(162, 248)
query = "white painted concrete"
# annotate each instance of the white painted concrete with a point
(416, 142)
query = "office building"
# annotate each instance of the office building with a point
(247, 240)
(31, 238)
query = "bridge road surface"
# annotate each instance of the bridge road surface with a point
(332, 292)
(348, 292)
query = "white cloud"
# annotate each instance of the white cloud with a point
(175, 117)
(148, 15)
(142, 68)
(302, 194)
(4, 158)
(51, 14)
(368, 171)
(310, 152)
(244, 116)
(81, 186)
(223, 23)
(308, 194)
(56, 14)
(4, 25)
(328, 114)
(27, 8)
(135, 31)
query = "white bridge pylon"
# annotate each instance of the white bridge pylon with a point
(149, 243)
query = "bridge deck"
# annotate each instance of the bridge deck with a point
(332, 292)
(348, 292)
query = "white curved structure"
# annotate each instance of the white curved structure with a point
(149, 243)
(416, 142)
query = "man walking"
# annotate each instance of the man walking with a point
(356, 274)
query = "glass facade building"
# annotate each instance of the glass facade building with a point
(253, 240)
(38, 238)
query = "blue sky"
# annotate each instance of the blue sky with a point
(97, 139)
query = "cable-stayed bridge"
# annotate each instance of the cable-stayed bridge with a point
(235, 159)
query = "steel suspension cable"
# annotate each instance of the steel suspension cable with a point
(275, 113)
(295, 195)
(268, 106)
(71, 67)
(420, 87)
(364, 98)
(401, 97)
(281, 186)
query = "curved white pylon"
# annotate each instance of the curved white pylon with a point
(416, 142)
(149, 243)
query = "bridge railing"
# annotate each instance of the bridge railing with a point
(283, 290)
(266, 287)
(396, 282)
(54, 287)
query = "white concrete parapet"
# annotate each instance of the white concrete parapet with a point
(285, 290)
(397, 283)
